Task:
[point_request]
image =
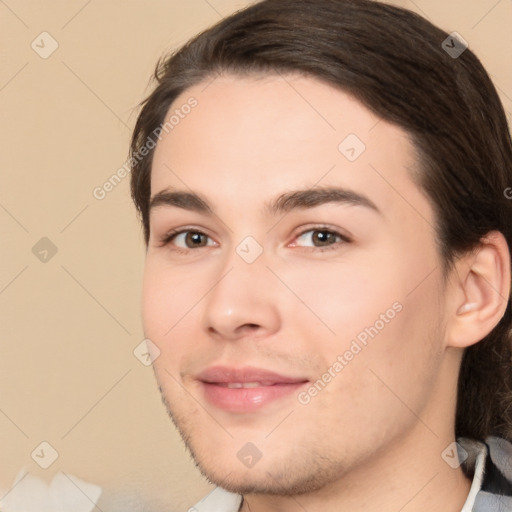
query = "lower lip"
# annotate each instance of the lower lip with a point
(247, 399)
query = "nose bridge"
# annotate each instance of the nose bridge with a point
(245, 263)
(242, 293)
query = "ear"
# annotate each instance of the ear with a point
(480, 291)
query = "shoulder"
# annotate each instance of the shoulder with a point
(489, 464)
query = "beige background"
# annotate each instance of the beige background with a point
(68, 326)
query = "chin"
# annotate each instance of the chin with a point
(276, 474)
(273, 475)
(269, 482)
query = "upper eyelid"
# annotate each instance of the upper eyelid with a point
(172, 234)
(337, 232)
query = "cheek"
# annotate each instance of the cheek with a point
(345, 297)
(385, 353)
(155, 302)
(375, 312)
(166, 300)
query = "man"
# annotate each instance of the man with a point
(327, 280)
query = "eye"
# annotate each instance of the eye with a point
(321, 238)
(318, 238)
(185, 240)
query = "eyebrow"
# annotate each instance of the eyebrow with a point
(284, 203)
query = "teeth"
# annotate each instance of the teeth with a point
(238, 385)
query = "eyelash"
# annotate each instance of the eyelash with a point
(170, 235)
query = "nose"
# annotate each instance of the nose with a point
(243, 302)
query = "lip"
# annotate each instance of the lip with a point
(266, 387)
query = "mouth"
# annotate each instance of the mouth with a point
(246, 389)
(238, 385)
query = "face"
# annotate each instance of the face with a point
(292, 283)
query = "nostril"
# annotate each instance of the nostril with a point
(249, 327)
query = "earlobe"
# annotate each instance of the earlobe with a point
(483, 283)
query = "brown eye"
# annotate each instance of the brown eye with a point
(186, 239)
(321, 238)
(195, 239)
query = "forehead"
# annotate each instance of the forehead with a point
(248, 138)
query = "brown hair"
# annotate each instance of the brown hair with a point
(393, 61)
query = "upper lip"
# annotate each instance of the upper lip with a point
(225, 374)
